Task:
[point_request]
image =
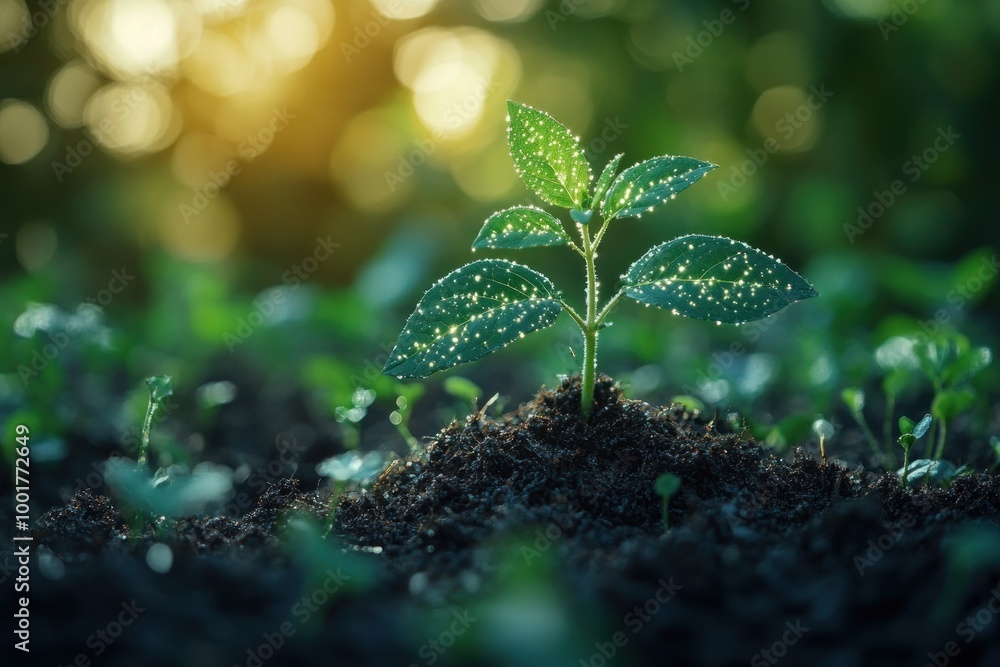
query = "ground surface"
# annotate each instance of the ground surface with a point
(540, 540)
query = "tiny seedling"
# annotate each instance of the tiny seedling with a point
(910, 432)
(667, 485)
(346, 469)
(488, 304)
(854, 399)
(995, 446)
(823, 430)
(160, 387)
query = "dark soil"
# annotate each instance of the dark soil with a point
(764, 559)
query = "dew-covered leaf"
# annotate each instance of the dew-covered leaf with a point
(471, 312)
(605, 180)
(644, 186)
(547, 156)
(714, 278)
(521, 227)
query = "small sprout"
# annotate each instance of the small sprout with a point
(854, 399)
(463, 389)
(995, 445)
(160, 388)
(823, 430)
(346, 469)
(667, 485)
(910, 432)
(690, 403)
(486, 305)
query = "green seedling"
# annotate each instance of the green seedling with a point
(667, 485)
(995, 446)
(823, 430)
(948, 361)
(160, 387)
(350, 468)
(854, 399)
(488, 304)
(463, 389)
(910, 432)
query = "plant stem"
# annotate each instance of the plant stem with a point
(870, 437)
(906, 464)
(146, 425)
(942, 431)
(590, 329)
(890, 409)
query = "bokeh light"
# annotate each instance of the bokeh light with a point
(14, 16)
(36, 245)
(132, 119)
(23, 131)
(68, 92)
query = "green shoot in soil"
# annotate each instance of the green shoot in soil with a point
(667, 485)
(488, 304)
(160, 388)
(854, 399)
(910, 433)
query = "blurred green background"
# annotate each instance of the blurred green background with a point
(250, 196)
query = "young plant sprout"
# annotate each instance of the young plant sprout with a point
(854, 399)
(488, 304)
(910, 433)
(160, 388)
(346, 469)
(823, 430)
(667, 485)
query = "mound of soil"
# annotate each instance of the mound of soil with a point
(763, 558)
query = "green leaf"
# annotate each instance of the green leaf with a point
(644, 186)
(547, 156)
(667, 485)
(521, 227)
(160, 387)
(463, 388)
(906, 425)
(605, 180)
(471, 312)
(714, 278)
(922, 427)
(950, 403)
(854, 399)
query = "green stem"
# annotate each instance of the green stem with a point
(146, 425)
(906, 464)
(870, 437)
(890, 408)
(589, 329)
(942, 431)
